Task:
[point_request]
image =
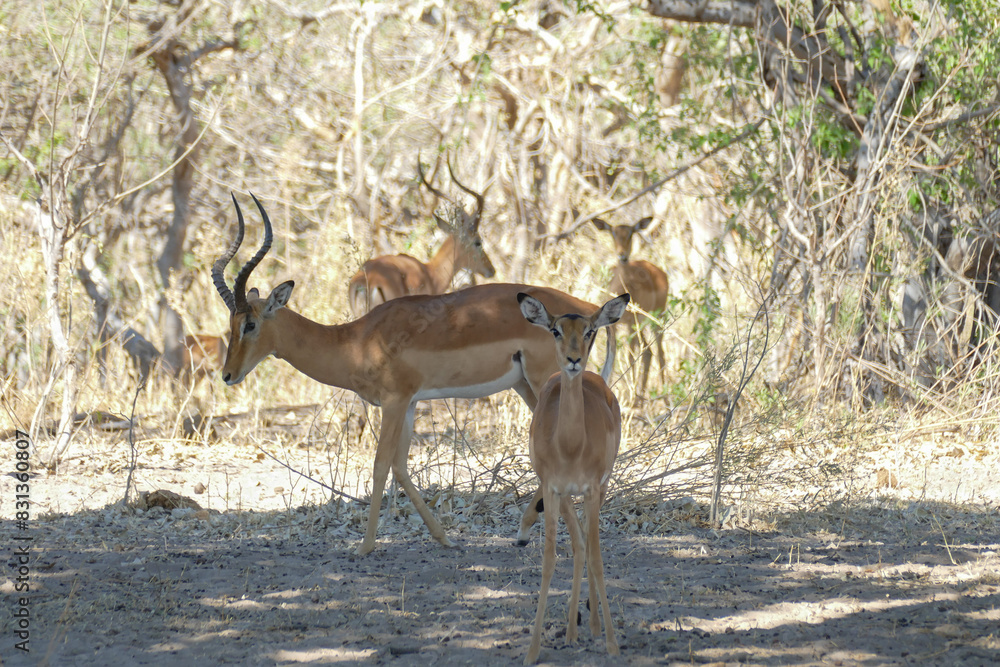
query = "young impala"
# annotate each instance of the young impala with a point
(201, 354)
(391, 276)
(649, 288)
(467, 344)
(574, 440)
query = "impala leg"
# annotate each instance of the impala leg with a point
(530, 516)
(548, 567)
(579, 556)
(412, 492)
(647, 360)
(593, 602)
(595, 569)
(393, 422)
(633, 360)
(593, 599)
(527, 393)
(659, 356)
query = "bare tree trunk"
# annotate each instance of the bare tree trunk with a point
(876, 140)
(170, 260)
(361, 194)
(176, 63)
(523, 237)
(144, 354)
(55, 235)
(65, 179)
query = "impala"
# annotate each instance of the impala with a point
(467, 344)
(391, 276)
(649, 288)
(201, 354)
(574, 439)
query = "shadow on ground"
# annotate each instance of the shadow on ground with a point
(920, 585)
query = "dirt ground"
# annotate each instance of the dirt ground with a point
(904, 574)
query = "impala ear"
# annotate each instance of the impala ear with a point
(642, 224)
(278, 298)
(444, 225)
(534, 311)
(600, 224)
(253, 293)
(611, 312)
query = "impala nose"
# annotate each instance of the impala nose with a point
(231, 379)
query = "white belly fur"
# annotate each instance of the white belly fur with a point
(502, 383)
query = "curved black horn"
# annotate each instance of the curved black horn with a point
(240, 287)
(480, 200)
(219, 268)
(423, 179)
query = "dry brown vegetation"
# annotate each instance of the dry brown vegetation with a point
(858, 520)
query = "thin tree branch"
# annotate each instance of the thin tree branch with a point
(580, 222)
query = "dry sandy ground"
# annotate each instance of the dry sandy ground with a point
(900, 576)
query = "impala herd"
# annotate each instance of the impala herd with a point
(414, 341)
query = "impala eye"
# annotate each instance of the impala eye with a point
(555, 332)
(249, 326)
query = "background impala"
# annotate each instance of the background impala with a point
(203, 354)
(389, 277)
(649, 287)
